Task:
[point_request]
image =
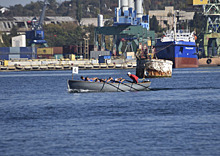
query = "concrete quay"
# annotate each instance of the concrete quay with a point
(37, 65)
(209, 62)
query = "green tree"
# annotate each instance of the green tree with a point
(198, 23)
(63, 34)
(154, 24)
(79, 11)
(6, 40)
(90, 29)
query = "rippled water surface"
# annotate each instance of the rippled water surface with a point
(178, 116)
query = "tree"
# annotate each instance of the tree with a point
(63, 34)
(79, 11)
(6, 40)
(154, 24)
(90, 30)
(198, 23)
(14, 31)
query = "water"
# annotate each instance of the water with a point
(178, 116)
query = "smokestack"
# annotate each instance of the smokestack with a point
(124, 5)
(100, 20)
(117, 15)
(131, 4)
(119, 4)
(139, 8)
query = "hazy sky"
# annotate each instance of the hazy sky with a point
(22, 2)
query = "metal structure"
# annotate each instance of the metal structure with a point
(212, 32)
(130, 30)
(36, 35)
(211, 36)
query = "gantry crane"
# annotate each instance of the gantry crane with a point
(211, 36)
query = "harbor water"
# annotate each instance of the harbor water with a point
(177, 116)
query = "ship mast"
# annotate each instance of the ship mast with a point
(174, 23)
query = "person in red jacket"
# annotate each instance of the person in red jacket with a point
(133, 77)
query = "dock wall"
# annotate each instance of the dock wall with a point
(52, 64)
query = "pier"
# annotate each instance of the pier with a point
(51, 64)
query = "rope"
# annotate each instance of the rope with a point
(164, 48)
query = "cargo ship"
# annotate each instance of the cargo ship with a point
(178, 46)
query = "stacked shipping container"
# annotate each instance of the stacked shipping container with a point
(28, 52)
(4, 53)
(50, 53)
(58, 52)
(7, 53)
(44, 53)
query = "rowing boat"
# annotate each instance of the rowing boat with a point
(87, 86)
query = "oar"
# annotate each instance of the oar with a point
(128, 86)
(110, 85)
(114, 86)
(136, 83)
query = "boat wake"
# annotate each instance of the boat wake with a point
(190, 88)
(79, 90)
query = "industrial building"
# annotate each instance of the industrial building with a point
(6, 24)
(165, 17)
(130, 31)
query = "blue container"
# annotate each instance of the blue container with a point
(4, 50)
(102, 59)
(4, 57)
(14, 50)
(14, 56)
(107, 57)
(28, 56)
(24, 50)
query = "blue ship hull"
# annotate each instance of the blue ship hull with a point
(183, 54)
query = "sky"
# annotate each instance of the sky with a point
(7, 3)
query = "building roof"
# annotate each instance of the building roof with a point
(91, 21)
(3, 10)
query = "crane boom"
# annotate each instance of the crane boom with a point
(40, 23)
(36, 35)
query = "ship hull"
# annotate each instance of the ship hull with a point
(153, 68)
(183, 54)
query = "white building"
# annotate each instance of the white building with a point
(19, 41)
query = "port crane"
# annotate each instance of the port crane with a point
(36, 35)
(211, 36)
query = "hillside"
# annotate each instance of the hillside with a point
(87, 8)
